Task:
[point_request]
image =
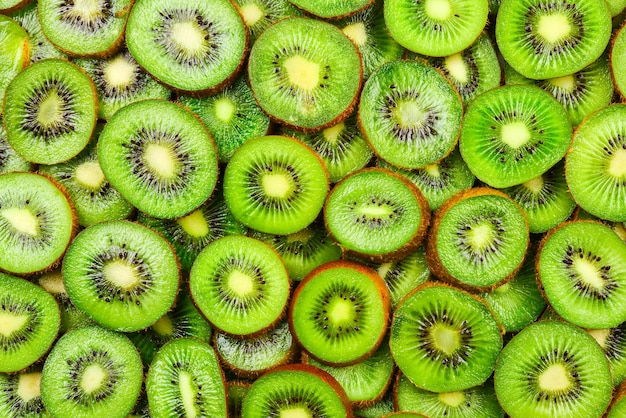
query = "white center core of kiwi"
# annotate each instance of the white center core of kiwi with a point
(617, 166)
(301, 236)
(383, 269)
(120, 274)
(600, 335)
(302, 72)
(356, 32)
(189, 37)
(251, 14)
(119, 73)
(49, 112)
(188, 393)
(9, 323)
(164, 326)
(535, 185)
(224, 109)
(160, 161)
(90, 175)
(432, 170)
(457, 68)
(276, 185)
(22, 220)
(332, 134)
(588, 273)
(86, 9)
(53, 282)
(297, 412)
(341, 311)
(453, 399)
(554, 379)
(409, 114)
(481, 235)
(553, 27)
(194, 224)
(438, 9)
(240, 283)
(566, 82)
(515, 134)
(29, 386)
(445, 339)
(92, 379)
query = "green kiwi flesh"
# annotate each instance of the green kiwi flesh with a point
(330, 9)
(9, 159)
(20, 394)
(14, 51)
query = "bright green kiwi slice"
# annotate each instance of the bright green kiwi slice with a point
(330, 9)
(259, 14)
(40, 46)
(582, 270)
(8, 6)
(20, 395)
(444, 339)
(186, 380)
(275, 184)
(618, 405)
(29, 323)
(37, 223)
(436, 28)
(50, 111)
(14, 50)
(9, 159)
(160, 158)
(543, 39)
(553, 369)
(595, 165)
(193, 46)
(240, 285)
(339, 313)
(122, 274)
(410, 114)
(305, 73)
(512, 134)
(93, 372)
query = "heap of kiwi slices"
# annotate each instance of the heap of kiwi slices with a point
(312, 208)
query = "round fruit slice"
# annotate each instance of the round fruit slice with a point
(331, 9)
(14, 50)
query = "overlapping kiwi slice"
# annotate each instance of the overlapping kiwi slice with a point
(14, 51)
(9, 159)
(613, 343)
(39, 46)
(259, 14)
(8, 6)
(20, 394)
(329, 9)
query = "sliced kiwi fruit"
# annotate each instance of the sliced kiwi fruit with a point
(50, 111)
(8, 6)
(618, 405)
(14, 51)
(237, 391)
(305, 73)
(71, 317)
(613, 343)
(553, 369)
(40, 47)
(192, 46)
(9, 159)
(329, 9)
(618, 60)
(378, 409)
(20, 395)
(91, 371)
(122, 274)
(616, 6)
(259, 14)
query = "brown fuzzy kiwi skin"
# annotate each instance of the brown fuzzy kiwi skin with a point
(18, 6)
(412, 244)
(380, 285)
(432, 256)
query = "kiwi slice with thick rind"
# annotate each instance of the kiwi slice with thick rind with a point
(296, 390)
(552, 39)
(259, 14)
(553, 369)
(410, 114)
(240, 285)
(160, 158)
(122, 274)
(613, 343)
(9, 159)
(185, 379)
(30, 320)
(581, 267)
(436, 28)
(377, 214)
(91, 371)
(305, 73)
(512, 134)
(192, 46)
(14, 51)
(71, 317)
(330, 9)
(37, 223)
(39, 46)
(20, 395)
(595, 165)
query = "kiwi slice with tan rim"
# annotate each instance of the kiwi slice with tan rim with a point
(20, 394)
(9, 6)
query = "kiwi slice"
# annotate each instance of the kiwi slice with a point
(613, 343)
(10, 160)
(512, 134)
(436, 28)
(296, 390)
(542, 39)
(237, 391)
(553, 369)
(339, 313)
(9, 6)
(159, 157)
(259, 14)
(305, 73)
(37, 223)
(122, 274)
(14, 51)
(581, 267)
(410, 114)
(91, 371)
(378, 409)
(618, 61)
(616, 6)
(40, 47)
(20, 395)
(71, 317)
(275, 184)
(185, 379)
(240, 285)
(444, 339)
(50, 111)
(329, 9)
(377, 214)
(618, 405)
(192, 46)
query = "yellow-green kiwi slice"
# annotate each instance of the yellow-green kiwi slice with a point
(613, 343)
(37, 223)
(50, 111)
(436, 28)
(305, 73)
(122, 274)
(512, 134)
(14, 51)
(444, 339)
(259, 14)
(595, 165)
(29, 323)
(543, 39)
(581, 268)
(40, 47)
(240, 285)
(410, 114)
(330, 9)
(20, 394)
(91, 371)
(192, 46)
(553, 369)
(160, 158)
(185, 379)
(339, 313)
(9, 159)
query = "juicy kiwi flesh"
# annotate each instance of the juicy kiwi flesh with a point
(20, 394)
(9, 159)
(40, 46)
